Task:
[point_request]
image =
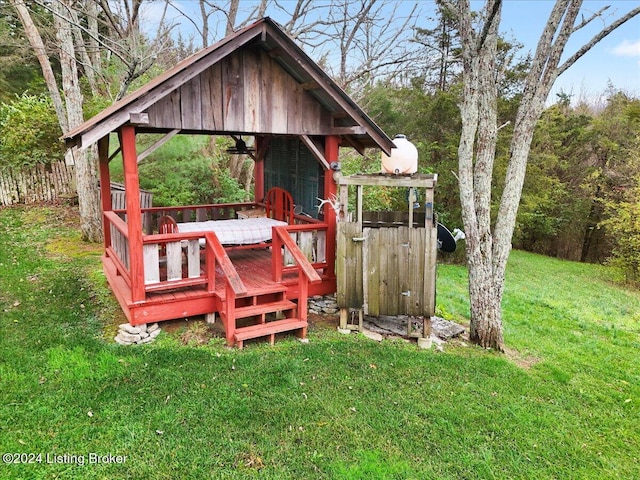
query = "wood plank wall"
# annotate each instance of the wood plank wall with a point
(248, 91)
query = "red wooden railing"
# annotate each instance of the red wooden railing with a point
(117, 244)
(310, 240)
(198, 213)
(164, 272)
(306, 271)
(201, 213)
(172, 275)
(234, 287)
(215, 253)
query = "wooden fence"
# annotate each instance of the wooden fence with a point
(41, 183)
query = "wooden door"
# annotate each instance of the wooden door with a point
(385, 271)
(397, 276)
(349, 265)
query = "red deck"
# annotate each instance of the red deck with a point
(253, 267)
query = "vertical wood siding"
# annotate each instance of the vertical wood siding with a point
(248, 91)
(391, 272)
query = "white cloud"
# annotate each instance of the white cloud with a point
(628, 49)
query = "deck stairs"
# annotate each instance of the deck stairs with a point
(260, 313)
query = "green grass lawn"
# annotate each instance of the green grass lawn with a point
(563, 403)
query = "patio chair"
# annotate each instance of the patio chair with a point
(279, 205)
(166, 224)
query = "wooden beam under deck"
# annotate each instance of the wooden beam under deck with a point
(253, 266)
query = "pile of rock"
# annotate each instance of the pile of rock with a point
(130, 335)
(326, 304)
(397, 326)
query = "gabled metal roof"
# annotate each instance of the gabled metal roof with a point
(350, 121)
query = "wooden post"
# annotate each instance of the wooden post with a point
(303, 295)
(105, 185)
(258, 170)
(134, 217)
(359, 201)
(430, 255)
(331, 150)
(230, 317)
(411, 194)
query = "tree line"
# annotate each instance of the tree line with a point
(583, 166)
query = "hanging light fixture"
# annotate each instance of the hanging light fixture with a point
(240, 147)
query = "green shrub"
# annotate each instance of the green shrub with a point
(185, 172)
(623, 225)
(29, 132)
(188, 181)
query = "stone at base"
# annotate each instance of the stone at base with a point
(128, 337)
(125, 327)
(303, 340)
(372, 335)
(425, 342)
(146, 335)
(344, 331)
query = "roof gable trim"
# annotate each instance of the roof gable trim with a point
(322, 80)
(160, 87)
(132, 108)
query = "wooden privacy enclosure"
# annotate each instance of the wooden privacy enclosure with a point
(386, 264)
(119, 202)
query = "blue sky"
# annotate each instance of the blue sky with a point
(615, 60)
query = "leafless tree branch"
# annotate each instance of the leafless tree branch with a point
(589, 45)
(586, 21)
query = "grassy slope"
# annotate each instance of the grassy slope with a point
(564, 403)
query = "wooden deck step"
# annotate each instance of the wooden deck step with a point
(264, 290)
(270, 329)
(269, 307)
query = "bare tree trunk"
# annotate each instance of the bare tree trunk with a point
(86, 171)
(476, 156)
(35, 39)
(78, 21)
(204, 33)
(88, 67)
(487, 253)
(93, 49)
(71, 116)
(231, 16)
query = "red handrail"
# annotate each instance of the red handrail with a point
(215, 250)
(306, 272)
(279, 238)
(117, 222)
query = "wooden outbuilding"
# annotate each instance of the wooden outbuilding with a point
(255, 83)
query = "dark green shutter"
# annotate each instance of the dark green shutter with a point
(289, 164)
